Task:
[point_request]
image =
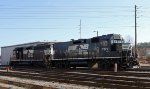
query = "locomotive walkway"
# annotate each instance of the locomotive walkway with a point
(89, 78)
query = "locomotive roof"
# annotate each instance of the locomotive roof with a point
(110, 36)
(103, 37)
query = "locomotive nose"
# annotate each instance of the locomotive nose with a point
(126, 46)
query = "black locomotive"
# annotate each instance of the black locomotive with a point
(101, 52)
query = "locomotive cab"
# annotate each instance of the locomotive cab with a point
(124, 51)
(116, 43)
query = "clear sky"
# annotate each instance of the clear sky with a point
(23, 21)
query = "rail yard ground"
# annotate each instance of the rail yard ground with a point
(34, 78)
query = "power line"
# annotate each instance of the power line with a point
(65, 6)
(58, 10)
(34, 16)
(70, 11)
(59, 17)
(34, 28)
(37, 18)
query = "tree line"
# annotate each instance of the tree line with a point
(143, 45)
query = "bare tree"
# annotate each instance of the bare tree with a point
(129, 39)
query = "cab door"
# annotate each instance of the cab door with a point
(114, 47)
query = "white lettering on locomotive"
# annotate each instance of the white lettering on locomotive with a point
(84, 46)
(77, 47)
(105, 49)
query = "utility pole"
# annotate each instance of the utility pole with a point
(80, 29)
(135, 32)
(96, 32)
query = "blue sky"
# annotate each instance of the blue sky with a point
(23, 21)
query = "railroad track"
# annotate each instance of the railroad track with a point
(120, 80)
(140, 69)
